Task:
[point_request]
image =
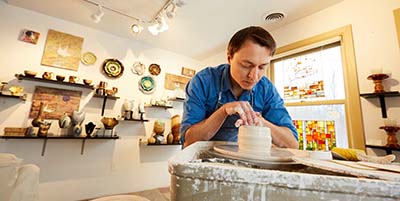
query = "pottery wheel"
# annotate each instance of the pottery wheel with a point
(276, 155)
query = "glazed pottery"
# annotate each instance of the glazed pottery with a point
(109, 122)
(77, 130)
(29, 73)
(60, 78)
(64, 121)
(16, 90)
(47, 75)
(159, 127)
(78, 117)
(44, 128)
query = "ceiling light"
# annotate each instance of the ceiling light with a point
(136, 28)
(179, 3)
(171, 13)
(96, 17)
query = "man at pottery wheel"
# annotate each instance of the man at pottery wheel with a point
(221, 98)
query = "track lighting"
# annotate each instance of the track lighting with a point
(96, 17)
(155, 25)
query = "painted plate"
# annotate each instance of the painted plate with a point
(88, 58)
(138, 68)
(154, 69)
(113, 68)
(147, 84)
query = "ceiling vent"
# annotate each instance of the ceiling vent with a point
(274, 17)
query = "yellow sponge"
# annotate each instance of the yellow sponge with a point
(346, 154)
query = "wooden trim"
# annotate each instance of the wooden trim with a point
(396, 14)
(310, 103)
(353, 112)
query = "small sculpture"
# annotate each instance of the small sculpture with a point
(109, 122)
(128, 105)
(39, 118)
(158, 133)
(77, 119)
(89, 128)
(175, 129)
(44, 128)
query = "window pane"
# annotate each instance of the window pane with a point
(329, 118)
(316, 75)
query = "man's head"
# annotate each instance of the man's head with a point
(249, 53)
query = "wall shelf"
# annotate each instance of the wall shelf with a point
(144, 142)
(177, 99)
(139, 120)
(159, 106)
(387, 149)
(114, 137)
(23, 77)
(22, 97)
(381, 97)
(105, 97)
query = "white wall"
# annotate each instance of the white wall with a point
(375, 44)
(107, 166)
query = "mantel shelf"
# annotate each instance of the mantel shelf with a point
(381, 97)
(83, 138)
(23, 77)
(22, 97)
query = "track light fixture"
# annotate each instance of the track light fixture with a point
(96, 17)
(157, 25)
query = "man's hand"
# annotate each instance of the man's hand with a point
(244, 110)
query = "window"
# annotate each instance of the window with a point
(313, 77)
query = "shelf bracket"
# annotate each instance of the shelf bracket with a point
(44, 146)
(83, 145)
(104, 105)
(383, 106)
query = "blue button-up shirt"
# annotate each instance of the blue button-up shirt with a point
(211, 88)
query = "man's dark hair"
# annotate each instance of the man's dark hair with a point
(254, 33)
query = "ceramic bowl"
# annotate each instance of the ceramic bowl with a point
(109, 122)
(87, 82)
(60, 78)
(29, 73)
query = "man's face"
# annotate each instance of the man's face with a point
(248, 65)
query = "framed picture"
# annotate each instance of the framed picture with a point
(29, 36)
(172, 81)
(62, 50)
(397, 22)
(58, 102)
(188, 72)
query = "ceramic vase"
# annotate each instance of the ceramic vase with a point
(78, 117)
(89, 128)
(64, 121)
(39, 118)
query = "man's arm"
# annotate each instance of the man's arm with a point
(281, 136)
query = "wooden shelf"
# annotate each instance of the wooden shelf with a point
(177, 99)
(144, 142)
(381, 97)
(83, 138)
(37, 79)
(22, 97)
(139, 120)
(387, 149)
(105, 97)
(159, 106)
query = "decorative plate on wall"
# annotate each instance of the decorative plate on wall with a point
(88, 58)
(138, 68)
(154, 69)
(113, 68)
(147, 84)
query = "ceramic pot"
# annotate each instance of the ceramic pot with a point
(43, 129)
(159, 127)
(64, 121)
(47, 75)
(77, 130)
(109, 122)
(78, 117)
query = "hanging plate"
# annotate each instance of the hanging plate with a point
(147, 84)
(113, 68)
(154, 69)
(88, 58)
(138, 68)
